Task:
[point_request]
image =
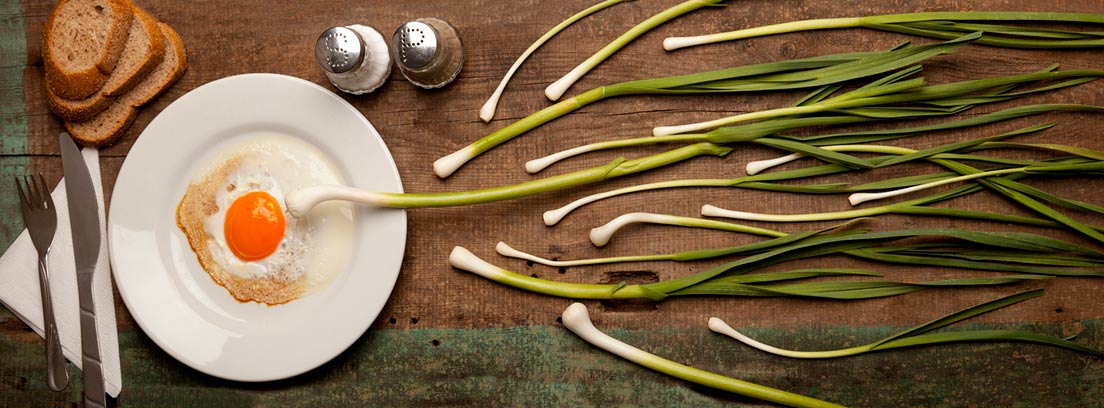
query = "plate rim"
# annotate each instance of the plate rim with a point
(145, 140)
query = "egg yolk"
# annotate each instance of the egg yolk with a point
(254, 226)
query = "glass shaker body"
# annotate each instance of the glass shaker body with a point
(428, 52)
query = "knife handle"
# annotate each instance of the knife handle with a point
(56, 371)
(90, 353)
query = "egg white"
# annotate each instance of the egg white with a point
(315, 247)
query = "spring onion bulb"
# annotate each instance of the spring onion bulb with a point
(464, 259)
(600, 236)
(935, 25)
(577, 319)
(552, 217)
(859, 198)
(506, 250)
(558, 88)
(920, 336)
(488, 110)
(792, 74)
(757, 166)
(709, 210)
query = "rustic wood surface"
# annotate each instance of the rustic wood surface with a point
(450, 338)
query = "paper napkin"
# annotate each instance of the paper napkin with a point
(19, 286)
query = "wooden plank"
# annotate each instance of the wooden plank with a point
(546, 366)
(534, 361)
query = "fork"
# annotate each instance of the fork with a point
(40, 216)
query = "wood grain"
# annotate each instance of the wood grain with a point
(433, 301)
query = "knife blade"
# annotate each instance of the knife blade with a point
(84, 219)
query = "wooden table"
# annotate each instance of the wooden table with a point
(448, 337)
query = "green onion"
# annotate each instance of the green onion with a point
(1015, 191)
(1028, 197)
(793, 74)
(761, 181)
(859, 198)
(727, 279)
(879, 100)
(300, 201)
(1045, 256)
(488, 110)
(1039, 168)
(577, 319)
(603, 234)
(919, 336)
(600, 236)
(557, 89)
(944, 25)
(841, 290)
(753, 131)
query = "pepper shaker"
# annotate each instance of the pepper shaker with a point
(428, 52)
(354, 58)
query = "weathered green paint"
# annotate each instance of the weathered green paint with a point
(13, 57)
(13, 118)
(549, 366)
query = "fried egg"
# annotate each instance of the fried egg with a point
(234, 219)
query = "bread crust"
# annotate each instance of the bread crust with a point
(76, 110)
(84, 81)
(116, 41)
(151, 56)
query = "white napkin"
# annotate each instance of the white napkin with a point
(19, 286)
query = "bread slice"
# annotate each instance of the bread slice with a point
(105, 128)
(139, 58)
(145, 48)
(82, 42)
(108, 126)
(76, 110)
(165, 74)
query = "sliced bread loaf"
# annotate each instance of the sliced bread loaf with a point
(82, 43)
(138, 59)
(109, 125)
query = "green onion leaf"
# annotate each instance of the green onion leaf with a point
(920, 336)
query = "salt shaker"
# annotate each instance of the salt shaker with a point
(428, 52)
(354, 57)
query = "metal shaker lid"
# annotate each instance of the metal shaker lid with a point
(339, 50)
(416, 43)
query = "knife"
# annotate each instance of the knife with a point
(84, 218)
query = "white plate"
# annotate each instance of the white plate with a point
(170, 296)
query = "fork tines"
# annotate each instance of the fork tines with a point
(37, 193)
